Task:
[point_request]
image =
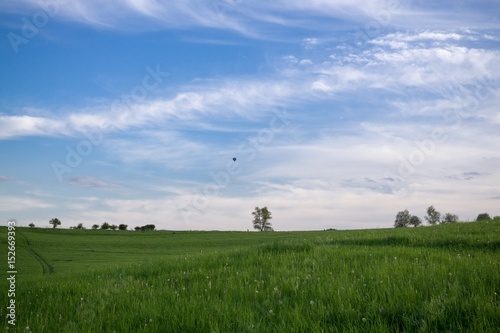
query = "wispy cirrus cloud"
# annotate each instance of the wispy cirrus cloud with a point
(231, 98)
(91, 182)
(431, 68)
(467, 175)
(214, 13)
(257, 19)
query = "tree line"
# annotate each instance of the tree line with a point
(55, 222)
(433, 217)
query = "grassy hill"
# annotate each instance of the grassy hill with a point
(443, 278)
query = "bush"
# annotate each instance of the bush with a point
(147, 227)
(483, 216)
(415, 221)
(449, 218)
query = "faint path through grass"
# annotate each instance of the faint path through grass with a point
(46, 267)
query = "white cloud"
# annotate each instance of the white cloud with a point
(12, 126)
(290, 58)
(309, 43)
(228, 99)
(20, 203)
(402, 40)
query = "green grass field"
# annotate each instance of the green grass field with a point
(430, 279)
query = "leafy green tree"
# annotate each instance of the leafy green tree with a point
(449, 218)
(483, 216)
(403, 219)
(433, 216)
(415, 221)
(105, 226)
(95, 226)
(122, 227)
(55, 222)
(261, 217)
(31, 225)
(113, 227)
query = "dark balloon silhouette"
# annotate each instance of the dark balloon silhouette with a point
(234, 159)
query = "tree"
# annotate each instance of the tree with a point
(449, 218)
(122, 227)
(31, 225)
(147, 227)
(483, 216)
(261, 217)
(55, 222)
(95, 226)
(433, 216)
(113, 227)
(415, 221)
(403, 219)
(105, 226)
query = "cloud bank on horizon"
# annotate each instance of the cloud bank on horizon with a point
(340, 114)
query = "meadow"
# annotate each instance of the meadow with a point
(444, 278)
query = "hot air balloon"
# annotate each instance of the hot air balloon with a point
(234, 159)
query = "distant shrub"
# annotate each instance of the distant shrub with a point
(415, 221)
(483, 216)
(147, 227)
(449, 218)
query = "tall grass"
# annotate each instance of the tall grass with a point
(439, 279)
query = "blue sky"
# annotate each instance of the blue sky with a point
(340, 113)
